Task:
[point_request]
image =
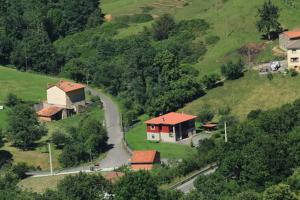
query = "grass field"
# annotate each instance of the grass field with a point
(137, 140)
(248, 93)
(32, 87)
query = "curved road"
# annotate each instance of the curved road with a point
(117, 156)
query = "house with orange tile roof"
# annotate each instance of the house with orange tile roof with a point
(63, 99)
(171, 127)
(288, 37)
(144, 160)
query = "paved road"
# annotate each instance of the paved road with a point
(189, 185)
(117, 156)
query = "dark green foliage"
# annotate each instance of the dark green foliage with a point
(210, 81)
(248, 195)
(35, 52)
(60, 139)
(268, 22)
(225, 110)
(211, 39)
(5, 49)
(20, 170)
(254, 114)
(170, 194)
(12, 100)
(233, 70)
(293, 73)
(205, 115)
(270, 76)
(84, 186)
(137, 185)
(279, 192)
(89, 139)
(23, 127)
(163, 27)
(1, 139)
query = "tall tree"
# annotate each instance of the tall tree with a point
(279, 192)
(268, 22)
(23, 127)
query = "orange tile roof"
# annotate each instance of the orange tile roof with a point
(137, 167)
(293, 34)
(48, 112)
(67, 86)
(143, 156)
(171, 119)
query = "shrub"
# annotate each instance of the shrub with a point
(60, 139)
(20, 170)
(233, 70)
(163, 27)
(270, 76)
(205, 114)
(293, 73)
(209, 81)
(225, 110)
(254, 114)
(194, 25)
(211, 39)
(12, 100)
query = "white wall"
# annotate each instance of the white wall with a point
(294, 54)
(153, 136)
(56, 96)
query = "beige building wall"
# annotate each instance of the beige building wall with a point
(153, 136)
(294, 59)
(56, 96)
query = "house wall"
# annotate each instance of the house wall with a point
(293, 54)
(75, 97)
(153, 128)
(56, 96)
(45, 119)
(153, 136)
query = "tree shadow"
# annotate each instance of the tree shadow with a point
(5, 158)
(274, 35)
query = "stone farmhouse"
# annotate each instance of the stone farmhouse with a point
(289, 41)
(144, 160)
(63, 99)
(171, 127)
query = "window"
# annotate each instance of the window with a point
(153, 136)
(152, 127)
(295, 59)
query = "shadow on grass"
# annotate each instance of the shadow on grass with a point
(5, 157)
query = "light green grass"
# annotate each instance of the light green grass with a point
(249, 93)
(137, 140)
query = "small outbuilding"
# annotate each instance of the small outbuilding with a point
(171, 127)
(144, 160)
(288, 37)
(50, 114)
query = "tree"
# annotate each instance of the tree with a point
(36, 52)
(12, 100)
(205, 114)
(20, 170)
(279, 192)
(73, 154)
(163, 27)
(233, 70)
(23, 127)
(248, 195)
(210, 81)
(137, 185)
(60, 139)
(268, 22)
(84, 186)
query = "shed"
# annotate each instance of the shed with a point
(144, 160)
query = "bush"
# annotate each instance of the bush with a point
(209, 81)
(194, 25)
(205, 114)
(12, 100)
(60, 139)
(233, 70)
(163, 27)
(73, 154)
(270, 76)
(225, 110)
(20, 170)
(253, 114)
(211, 39)
(293, 73)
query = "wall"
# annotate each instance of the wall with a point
(56, 96)
(153, 136)
(75, 97)
(294, 54)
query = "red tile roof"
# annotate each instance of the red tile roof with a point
(171, 119)
(293, 34)
(143, 156)
(67, 86)
(48, 112)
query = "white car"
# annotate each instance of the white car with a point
(275, 65)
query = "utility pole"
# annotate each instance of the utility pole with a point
(50, 158)
(225, 126)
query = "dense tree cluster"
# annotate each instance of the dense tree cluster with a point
(86, 140)
(261, 151)
(30, 27)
